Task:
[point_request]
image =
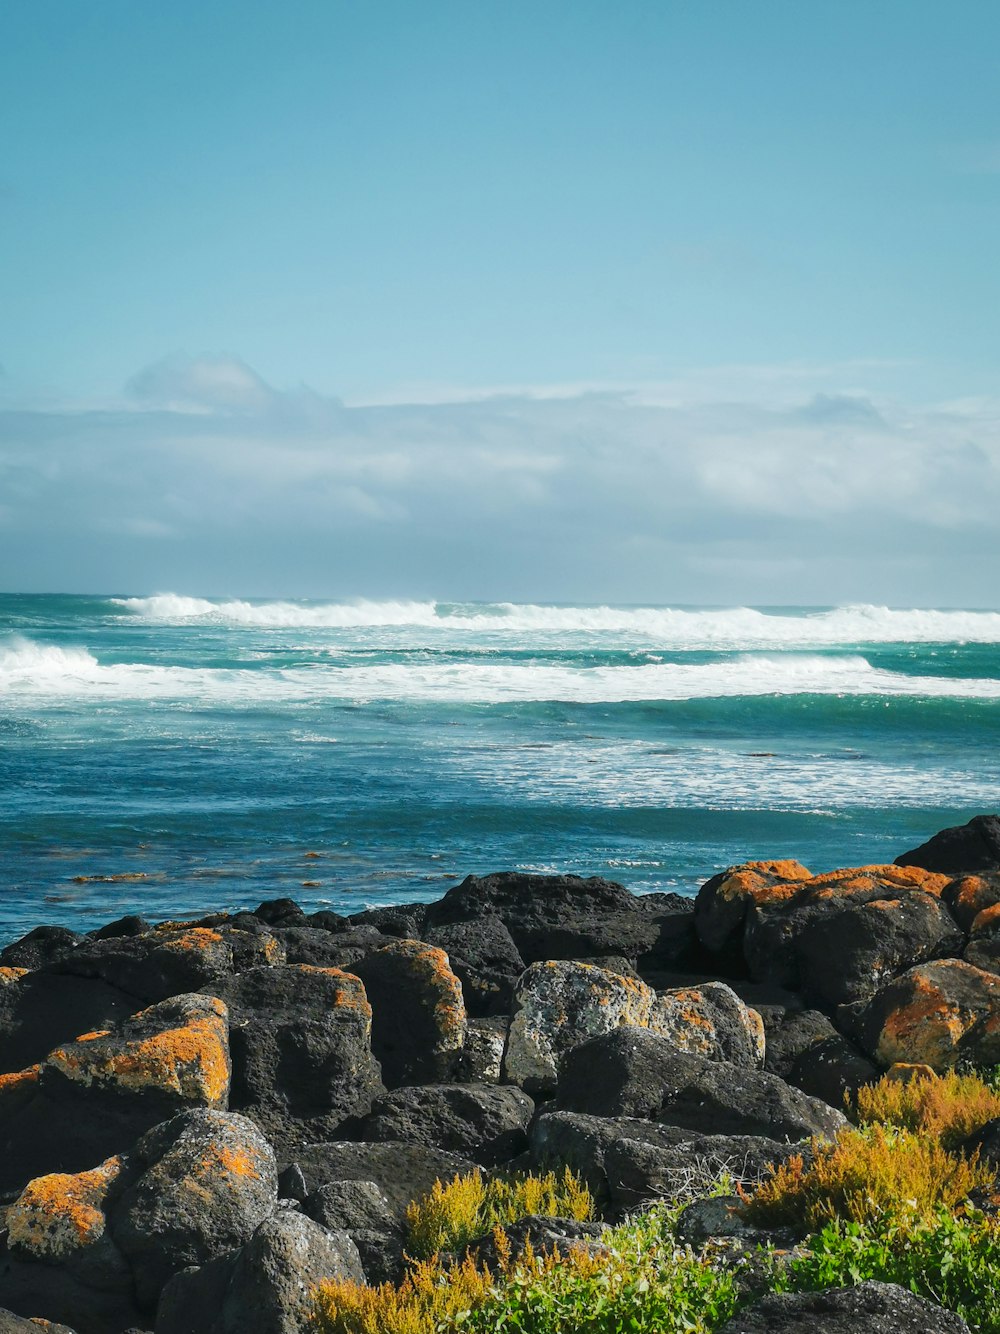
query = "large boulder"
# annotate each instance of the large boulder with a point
(970, 895)
(627, 1161)
(205, 1180)
(558, 1005)
(983, 949)
(403, 1172)
(39, 1010)
(170, 959)
(301, 1050)
(418, 1012)
(936, 1014)
(482, 1121)
(58, 1259)
(39, 947)
(361, 1209)
(876, 1308)
(721, 908)
(633, 1072)
(962, 848)
(93, 1097)
(710, 1020)
(567, 917)
(266, 1287)
(840, 935)
(484, 958)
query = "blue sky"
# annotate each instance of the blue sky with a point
(751, 240)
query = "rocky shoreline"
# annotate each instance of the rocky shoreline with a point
(201, 1121)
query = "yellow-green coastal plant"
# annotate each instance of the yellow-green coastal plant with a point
(639, 1282)
(456, 1212)
(950, 1107)
(876, 1170)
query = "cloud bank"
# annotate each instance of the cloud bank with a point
(208, 480)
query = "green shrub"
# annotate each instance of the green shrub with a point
(951, 1260)
(642, 1284)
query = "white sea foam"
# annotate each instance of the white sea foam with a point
(40, 670)
(733, 627)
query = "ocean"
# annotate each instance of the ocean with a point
(172, 755)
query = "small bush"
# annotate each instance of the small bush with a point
(951, 1261)
(469, 1206)
(863, 1173)
(640, 1284)
(430, 1298)
(949, 1107)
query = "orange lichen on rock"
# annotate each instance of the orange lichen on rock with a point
(970, 895)
(350, 991)
(196, 938)
(189, 1060)
(236, 1162)
(19, 1079)
(941, 1007)
(10, 975)
(863, 879)
(764, 882)
(987, 918)
(57, 1214)
(92, 1037)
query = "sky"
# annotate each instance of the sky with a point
(673, 302)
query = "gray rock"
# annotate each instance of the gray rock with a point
(403, 1172)
(482, 1121)
(632, 1072)
(209, 1180)
(875, 1308)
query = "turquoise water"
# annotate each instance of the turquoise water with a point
(355, 754)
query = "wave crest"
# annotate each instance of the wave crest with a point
(733, 627)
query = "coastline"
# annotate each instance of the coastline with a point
(516, 1023)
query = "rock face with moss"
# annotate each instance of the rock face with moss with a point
(200, 1121)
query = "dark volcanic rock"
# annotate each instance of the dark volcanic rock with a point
(418, 1012)
(301, 1047)
(721, 908)
(170, 959)
(875, 1308)
(279, 912)
(638, 1171)
(403, 1172)
(404, 921)
(94, 1097)
(266, 1287)
(43, 945)
(963, 848)
(57, 1259)
(207, 1180)
(16, 1324)
(485, 959)
(39, 1010)
(970, 895)
(632, 1072)
(484, 1122)
(789, 1033)
(567, 917)
(935, 1014)
(361, 1209)
(832, 1070)
(840, 935)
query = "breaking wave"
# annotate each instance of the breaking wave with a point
(725, 628)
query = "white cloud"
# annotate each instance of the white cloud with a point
(816, 496)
